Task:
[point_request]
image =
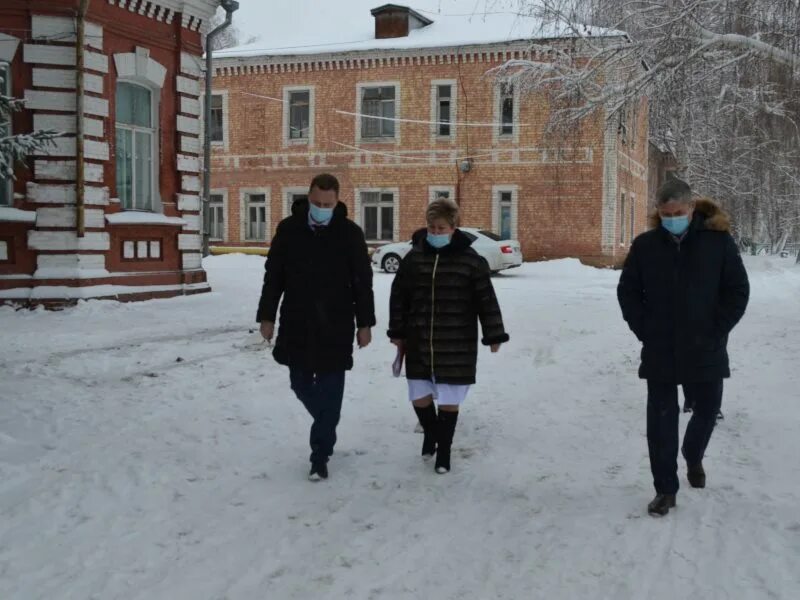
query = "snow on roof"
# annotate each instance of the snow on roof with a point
(304, 27)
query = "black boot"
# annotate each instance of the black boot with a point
(445, 428)
(696, 475)
(427, 418)
(661, 504)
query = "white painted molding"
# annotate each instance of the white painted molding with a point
(360, 87)
(190, 183)
(62, 266)
(190, 144)
(190, 106)
(49, 55)
(65, 170)
(191, 65)
(96, 62)
(66, 124)
(287, 91)
(189, 241)
(188, 202)
(434, 191)
(8, 47)
(65, 30)
(192, 222)
(96, 150)
(434, 127)
(496, 191)
(15, 215)
(139, 65)
(3, 250)
(67, 217)
(40, 193)
(187, 86)
(64, 102)
(188, 164)
(137, 217)
(188, 124)
(65, 78)
(191, 261)
(68, 240)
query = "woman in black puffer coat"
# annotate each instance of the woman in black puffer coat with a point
(441, 291)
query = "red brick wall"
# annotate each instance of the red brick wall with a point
(559, 211)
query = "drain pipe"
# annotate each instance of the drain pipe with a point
(80, 94)
(229, 6)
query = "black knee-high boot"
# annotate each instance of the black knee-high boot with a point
(427, 418)
(446, 427)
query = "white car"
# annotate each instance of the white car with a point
(500, 254)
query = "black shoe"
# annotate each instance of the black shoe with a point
(427, 418)
(696, 475)
(319, 471)
(661, 504)
(445, 428)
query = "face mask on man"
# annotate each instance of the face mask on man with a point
(676, 225)
(439, 240)
(320, 216)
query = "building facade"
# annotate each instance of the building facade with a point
(401, 126)
(131, 229)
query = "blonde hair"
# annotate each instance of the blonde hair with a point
(442, 208)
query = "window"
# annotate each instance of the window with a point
(443, 115)
(378, 110)
(442, 191)
(506, 109)
(6, 190)
(622, 211)
(377, 215)
(504, 211)
(506, 199)
(633, 217)
(256, 217)
(216, 126)
(135, 146)
(216, 217)
(291, 195)
(299, 115)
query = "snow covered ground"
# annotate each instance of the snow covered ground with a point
(147, 453)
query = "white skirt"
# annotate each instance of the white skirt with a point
(443, 393)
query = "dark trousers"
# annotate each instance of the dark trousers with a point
(321, 394)
(662, 428)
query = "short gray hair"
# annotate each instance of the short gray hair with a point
(674, 189)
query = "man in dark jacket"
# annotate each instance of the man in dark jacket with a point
(682, 290)
(318, 262)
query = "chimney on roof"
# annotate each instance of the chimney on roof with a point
(394, 21)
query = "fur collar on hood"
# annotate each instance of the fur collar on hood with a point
(714, 218)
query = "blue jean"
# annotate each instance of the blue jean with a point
(662, 428)
(321, 394)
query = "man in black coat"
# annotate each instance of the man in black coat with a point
(318, 262)
(683, 288)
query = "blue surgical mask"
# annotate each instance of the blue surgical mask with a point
(676, 225)
(438, 240)
(320, 216)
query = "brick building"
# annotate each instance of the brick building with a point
(130, 229)
(411, 114)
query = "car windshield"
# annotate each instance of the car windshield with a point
(491, 235)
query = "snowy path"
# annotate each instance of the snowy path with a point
(127, 473)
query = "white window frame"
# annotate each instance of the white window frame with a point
(244, 212)
(434, 190)
(395, 191)
(632, 217)
(453, 83)
(360, 87)
(498, 116)
(623, 215)
(496, 191)
(287, 92)
(225, 139)
(155, 116)
(225, 212)
(287, 193)
(7, 183)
